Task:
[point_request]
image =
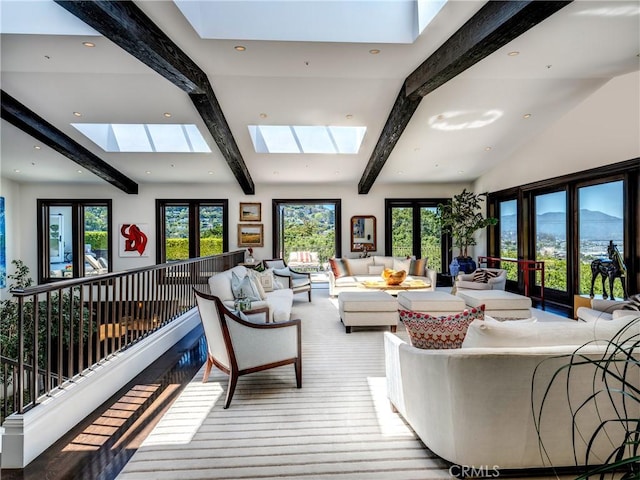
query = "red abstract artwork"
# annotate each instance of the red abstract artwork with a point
(135, 239)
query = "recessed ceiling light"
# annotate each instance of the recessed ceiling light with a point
(210, 172)
(436, 165)
(89, 44)
(148, 172)
(337, 172)
(17, 170)
(374, 51)
(276, 172)
(349, 116)
(263, 115)
(79, 171)
(549, 66)
(400, 172)
(487, 149)
(77, 114)
(167, 114)
(460, 171)
(513, 53)
(37, 147)
(33, 164)
(240, 48)
(526, 115)
(417, 149)
(48, 57)
(172, 165)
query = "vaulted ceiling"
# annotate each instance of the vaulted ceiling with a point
(446, 108)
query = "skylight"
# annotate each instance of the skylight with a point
(306, 139)
(362, 21)
(160, 138)
(43, 17)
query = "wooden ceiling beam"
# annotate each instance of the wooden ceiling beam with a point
(493, 26)
(26, 120)
(127, 26)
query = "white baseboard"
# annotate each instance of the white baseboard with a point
(28, 435)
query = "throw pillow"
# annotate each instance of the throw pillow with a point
(375, 269)
(401, 264)
(339, 267)
(633, 303)
(491, 274)
(418, 267)
(431, 332)
(243, 287)
(480, 275)
(265, 279)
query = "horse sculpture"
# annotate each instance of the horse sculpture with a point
(612, 268)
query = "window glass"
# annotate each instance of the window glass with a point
(176, 231)
(600, 220)
(551, 237)
(401, 231)
(96, 240)
(508, 227)
(211, 230)
(431, 238)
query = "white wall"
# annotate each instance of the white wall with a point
(603, 129)
(141, 209)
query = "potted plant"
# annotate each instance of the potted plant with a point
(461, 217)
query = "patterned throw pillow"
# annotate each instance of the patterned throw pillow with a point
(417, 267)
(430, 332)
(480, 275)
(492, 274)
(339, 267)
(265, 279)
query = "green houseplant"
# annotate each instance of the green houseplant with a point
(461, 217)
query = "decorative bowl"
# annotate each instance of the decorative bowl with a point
(391, 277)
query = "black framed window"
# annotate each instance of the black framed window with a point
(74, 238)
(411, 228)
(307, 225)
(191, 228)
(569, 221)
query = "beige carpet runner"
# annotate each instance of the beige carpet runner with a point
(338, 426)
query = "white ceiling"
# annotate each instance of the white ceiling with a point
(562, 61)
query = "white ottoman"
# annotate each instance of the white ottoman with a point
(434, 303)
(498, 303)
(360, 309)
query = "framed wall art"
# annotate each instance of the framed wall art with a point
(250, 212)
(250, 235)
(133, 240)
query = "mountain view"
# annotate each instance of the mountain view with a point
(595, 226)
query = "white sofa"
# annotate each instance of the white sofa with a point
(473, 405)
(370, 268)
(279, 301)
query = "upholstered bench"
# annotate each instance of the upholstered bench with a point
(498, 304)
(434, 303)
(360, 309)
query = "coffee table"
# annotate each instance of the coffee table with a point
(394, 289)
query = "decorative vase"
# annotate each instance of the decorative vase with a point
(466, 264)
(454, 267)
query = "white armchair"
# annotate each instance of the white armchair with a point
(239, 347)
(482, 279)
(296, 281)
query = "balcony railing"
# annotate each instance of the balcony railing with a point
(64, 329)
